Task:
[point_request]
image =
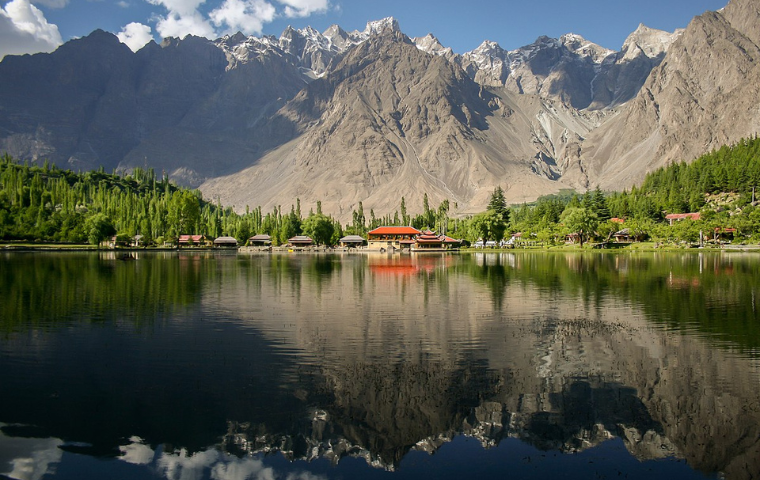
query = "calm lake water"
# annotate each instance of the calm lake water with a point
(298, 366)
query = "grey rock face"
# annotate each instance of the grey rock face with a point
(372, 115)
(703, 95)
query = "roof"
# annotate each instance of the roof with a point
(300, 239)
(194, 238)
(681, 216)
(352, 239)
(395, 230)
(260, 238)
(617, 220)
(429, 239)
(225, 240)
(450, 240)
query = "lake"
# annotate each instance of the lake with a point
(307, 366)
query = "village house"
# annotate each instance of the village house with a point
(724, 234)
(186, 241)
(301, 241)
(351, 241)
(226, 242)
(261, 240)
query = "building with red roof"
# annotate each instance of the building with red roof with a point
(677, 217)
(194, 241)
(391, 238)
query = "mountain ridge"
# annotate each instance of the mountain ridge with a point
(244, 118)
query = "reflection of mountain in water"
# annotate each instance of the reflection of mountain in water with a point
(579, 418)
(375, 356)
(543, 354)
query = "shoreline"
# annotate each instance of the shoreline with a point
(636, 247)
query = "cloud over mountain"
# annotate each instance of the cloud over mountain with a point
(24, 29)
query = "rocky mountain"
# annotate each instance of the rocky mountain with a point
(373, 115)
(704, 94)
(391, 120)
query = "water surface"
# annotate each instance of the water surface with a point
(224, 366)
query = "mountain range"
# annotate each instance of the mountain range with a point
(342, 117)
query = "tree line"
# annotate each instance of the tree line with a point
(719, 185)
(47, 204)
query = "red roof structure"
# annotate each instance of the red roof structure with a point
(429, 238)
(194, 239)
(676, 217)
(394, 230)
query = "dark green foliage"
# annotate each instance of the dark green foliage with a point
(42, 204)
(50, 205)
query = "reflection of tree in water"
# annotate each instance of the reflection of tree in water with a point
(45, 289)
(713, 293)
(493, 270)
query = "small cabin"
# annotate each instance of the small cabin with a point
(724, 234)
(300, 241)
(226, 242)
(351, 241)
(624, 236)
(186, 241)
(261, 240)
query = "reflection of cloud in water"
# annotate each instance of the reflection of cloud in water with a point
(206, 464)
(137, 453)
(28, 458)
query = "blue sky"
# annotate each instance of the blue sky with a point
(28, 26)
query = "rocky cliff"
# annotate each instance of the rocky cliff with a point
(342, 117)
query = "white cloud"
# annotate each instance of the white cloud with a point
(247, 16)
(24, 29)
(304, 8)
(123, 4)
(135, 35)
(52, 3)
(183, 18)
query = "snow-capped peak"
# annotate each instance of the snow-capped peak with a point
(381, 26)
(584, 48)
(430, 44)
(488, 47)
(650, 41)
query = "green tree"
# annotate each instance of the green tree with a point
(497, 202)
(579, 220)
(489, 225)
(99, 227)
(319, 227)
